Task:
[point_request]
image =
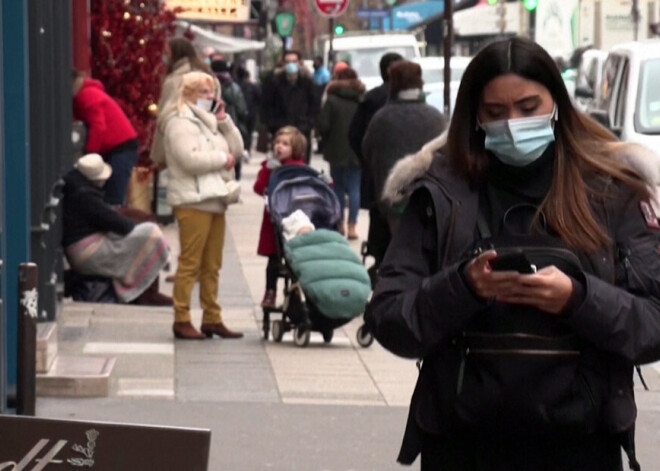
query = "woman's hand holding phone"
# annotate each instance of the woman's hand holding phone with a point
(548, 290)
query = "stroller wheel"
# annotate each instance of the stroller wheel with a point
(327, 336)
(277, 328)
(301, 336)
(364, 337)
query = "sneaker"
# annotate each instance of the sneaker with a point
(269, 299)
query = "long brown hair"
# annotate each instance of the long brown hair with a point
(583, 148)
(182, 47)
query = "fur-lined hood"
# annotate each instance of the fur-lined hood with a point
(351, 84)
(410, 168)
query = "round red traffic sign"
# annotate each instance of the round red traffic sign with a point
(331, 8)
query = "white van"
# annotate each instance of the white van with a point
(363, 51)
(629, 101)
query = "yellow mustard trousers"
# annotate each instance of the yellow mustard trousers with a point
(202, 239)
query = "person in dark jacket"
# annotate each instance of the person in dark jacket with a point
(252, 95)
(289, 99)
(399, 128)
(109, 133)
(235, 105)
(522, 371)
(375, 99)
(98, 240)
(343, 95)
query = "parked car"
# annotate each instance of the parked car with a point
(589, 78)
(433, 70)
(628, 100)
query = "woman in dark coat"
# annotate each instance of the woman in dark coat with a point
(343, 95)
(399, 128)
(525, 365)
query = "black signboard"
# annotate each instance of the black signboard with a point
(35, 444)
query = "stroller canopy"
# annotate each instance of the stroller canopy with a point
(298, 187)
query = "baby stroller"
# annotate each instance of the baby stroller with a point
(325, 283)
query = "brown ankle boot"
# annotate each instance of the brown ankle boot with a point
(186, 331)
(269, 299)
(151, 297)
(220, 330)
(352, 233)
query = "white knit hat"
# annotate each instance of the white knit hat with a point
(93, 167)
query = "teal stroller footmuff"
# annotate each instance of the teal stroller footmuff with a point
(330, 273)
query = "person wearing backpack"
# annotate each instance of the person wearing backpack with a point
(524, 276)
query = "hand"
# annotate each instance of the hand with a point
(548, 290)
(231, 161)
(487, 283)
(221, 113)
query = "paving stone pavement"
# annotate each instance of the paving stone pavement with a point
(358, 396)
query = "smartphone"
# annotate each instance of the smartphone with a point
(516, 261)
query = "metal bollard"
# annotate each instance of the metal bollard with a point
(27, 338)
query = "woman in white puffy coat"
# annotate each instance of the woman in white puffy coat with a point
(200, 142)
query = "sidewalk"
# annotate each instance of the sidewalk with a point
(260, 385)
(332, 406)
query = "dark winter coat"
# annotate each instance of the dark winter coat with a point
(107, 124)
(335, 117)
(267, 243)
(399, 128)
(235, 104)
(84, 212)
(289, 104)
(252, 94)
(422, 303)
(372, 101)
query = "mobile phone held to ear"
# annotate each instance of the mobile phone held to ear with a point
(515, 261)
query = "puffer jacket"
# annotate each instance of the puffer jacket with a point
(196, 146)
(422, 303)
(338, 110)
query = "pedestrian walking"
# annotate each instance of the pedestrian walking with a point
(200, 149)
(405, 114)
(288, 149)
(109, 133)
(527, 354)
(343, 95)
(252, 95)
(373, 100)
(289, 99)
(235, 105)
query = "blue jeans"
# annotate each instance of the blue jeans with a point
(347, 181)
(122, 163)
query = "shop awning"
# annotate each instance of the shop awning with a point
(220, 42)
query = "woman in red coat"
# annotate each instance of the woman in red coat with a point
(109, 133)
(288, 149)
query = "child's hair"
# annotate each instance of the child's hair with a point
(298, 141)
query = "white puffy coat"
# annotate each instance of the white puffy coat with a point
(196, 146)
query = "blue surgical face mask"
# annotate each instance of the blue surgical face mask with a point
(519, 142)
(291, 68)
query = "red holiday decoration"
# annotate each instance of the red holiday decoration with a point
(128, 38)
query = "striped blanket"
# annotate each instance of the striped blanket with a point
(133, 261)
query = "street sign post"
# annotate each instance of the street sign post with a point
(331, 8)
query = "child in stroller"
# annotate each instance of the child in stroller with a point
(325, 283)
